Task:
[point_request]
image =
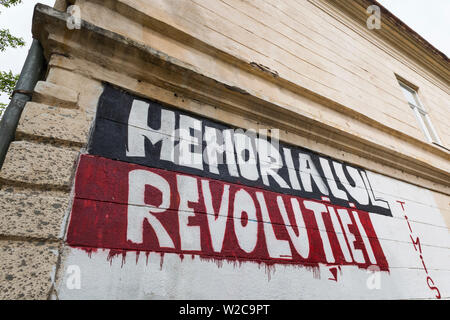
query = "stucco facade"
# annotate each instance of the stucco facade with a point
(309, 69)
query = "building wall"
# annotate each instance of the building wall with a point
(297, 40)
(325, 81)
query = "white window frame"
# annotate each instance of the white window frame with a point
(421, 113)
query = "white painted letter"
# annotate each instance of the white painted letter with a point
(364, 238)
(139, 211)
(270, 162)
(278, 249)
(338, 193)
(138, 130)
(291, 169)
(247, 235)
(307, 171)
(188, 192)
(358, 192)
(214, 151)
(346, 221)
(188, 141)
(300, 242)
(216, 222)
(318, 208)
(247, 167)
(340, 234)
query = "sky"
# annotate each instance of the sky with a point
(429, 18)
(18, 20)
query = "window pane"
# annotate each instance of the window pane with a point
(425, 122)
(430, 128)
(409, 95)
(421, 114)
(422, 124)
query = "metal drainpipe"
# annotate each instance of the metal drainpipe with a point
(31, 72)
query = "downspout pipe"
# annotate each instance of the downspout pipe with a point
(30, 75)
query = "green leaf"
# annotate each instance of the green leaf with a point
(9, 3)
(8, 40)
(8, 79)
(8, 82)
(2, 109)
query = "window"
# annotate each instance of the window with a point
(420, 112)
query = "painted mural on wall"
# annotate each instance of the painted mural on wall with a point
(162, 180)
(159, 181)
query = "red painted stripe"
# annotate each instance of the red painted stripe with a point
(99, 218)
